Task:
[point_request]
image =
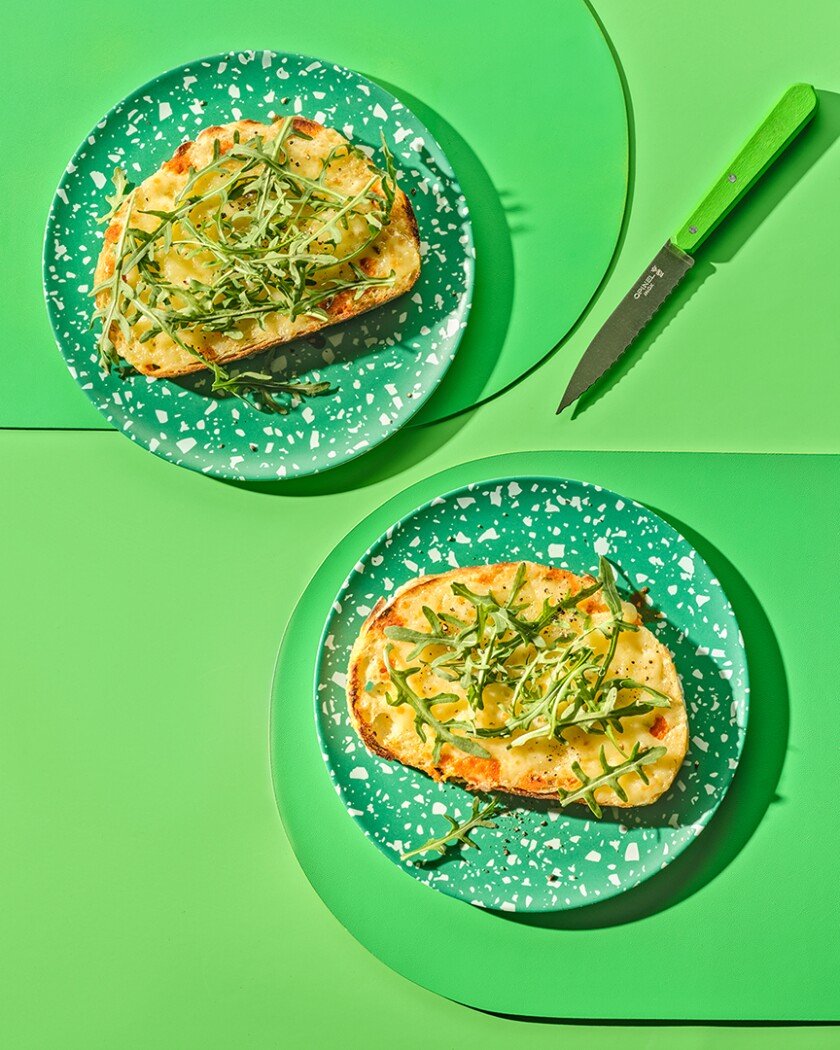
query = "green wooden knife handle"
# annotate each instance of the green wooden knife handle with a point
(788, 117)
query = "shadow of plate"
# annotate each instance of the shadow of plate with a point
(464, 384)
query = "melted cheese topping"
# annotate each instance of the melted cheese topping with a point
(395, 248)
(541, 765)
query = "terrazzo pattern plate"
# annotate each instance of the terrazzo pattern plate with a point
(540, 857)
(384, 365)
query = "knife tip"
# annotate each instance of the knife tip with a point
(564, 404)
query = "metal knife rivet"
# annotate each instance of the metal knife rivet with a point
(692, 229)
(732, 178)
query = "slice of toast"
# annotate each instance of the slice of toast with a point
(542, 767)
(309, 152)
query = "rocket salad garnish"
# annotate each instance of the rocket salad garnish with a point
(268, 240)
(555, 677)
(459, 833)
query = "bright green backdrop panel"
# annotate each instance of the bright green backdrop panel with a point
(744, 357)
(150, 898)
(765, 853)
(537, 135)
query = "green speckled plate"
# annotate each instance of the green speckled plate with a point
(384, 364)
(541, 857)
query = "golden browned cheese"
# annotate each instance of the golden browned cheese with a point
(395, 249)
(542, 766)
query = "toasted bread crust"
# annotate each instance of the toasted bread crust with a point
(489, 774)
(399, 245)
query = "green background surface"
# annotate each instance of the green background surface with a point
(762, 853)
(739, 357)
(151, 897)
(580, 172)
(149, 894)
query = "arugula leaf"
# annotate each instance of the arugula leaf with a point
(443, 731)
(608, 587)
(609, 776)
(459, 832)
(121, 191)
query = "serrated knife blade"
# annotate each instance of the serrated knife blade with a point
(784, 122)
(631, 315)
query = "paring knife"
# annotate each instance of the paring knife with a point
(789, 116)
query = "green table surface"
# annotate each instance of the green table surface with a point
(148, 893)
(743, 357)
(485, 124)
(151, 897)
(768, 851)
